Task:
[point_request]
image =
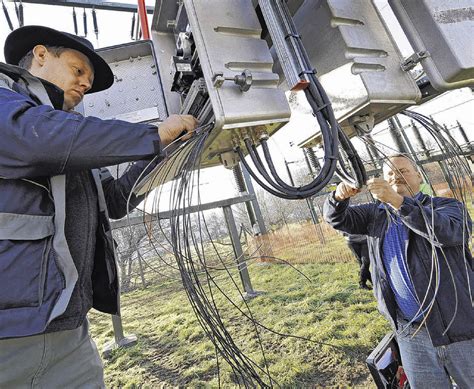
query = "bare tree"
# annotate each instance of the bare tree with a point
(128, 241)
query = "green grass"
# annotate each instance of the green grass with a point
(174, 351)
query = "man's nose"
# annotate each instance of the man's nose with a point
(86, 84)
(399, 177)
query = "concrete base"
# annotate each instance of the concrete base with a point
(250, 295)
(127, 341)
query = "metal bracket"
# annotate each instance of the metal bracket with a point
(363, 125)
(244, 80)
(229, 159)
(410, 62)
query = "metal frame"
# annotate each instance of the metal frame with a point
(97, 4)
(231, 226)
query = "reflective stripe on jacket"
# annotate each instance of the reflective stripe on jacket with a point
(39, 144)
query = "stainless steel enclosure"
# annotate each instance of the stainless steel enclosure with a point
(442, 32)
(356, 59)
(226, 35)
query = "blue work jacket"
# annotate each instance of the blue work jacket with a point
(39, 145)
(452, 316)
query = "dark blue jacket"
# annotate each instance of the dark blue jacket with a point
(452, 228)
(39, 145)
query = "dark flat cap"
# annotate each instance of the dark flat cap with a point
(22, 40)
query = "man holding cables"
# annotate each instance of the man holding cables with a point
(56, 250)
(422, 271)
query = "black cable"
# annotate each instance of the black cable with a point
(84, 19)
(7, 16)
(200, 274)
(132, 31)
(355, 162)
(260, 182)
(94, 21)
(21, 18)
(74, 21)
(17, 12)
(213, 326)
(322, 110)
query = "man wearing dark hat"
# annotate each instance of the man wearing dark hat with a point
(56, 250)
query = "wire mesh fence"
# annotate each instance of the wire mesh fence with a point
(296, 234)
(146, 257)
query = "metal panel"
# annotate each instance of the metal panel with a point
(227, 41)
(356, 59)
(443, 30)
(136, 94)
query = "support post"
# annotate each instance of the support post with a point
(120, 339)
(469, 145)
(444, 170)
(256, 206)
(242, 188)
(309, 201)
(463, 134)
(312, 211)
(239, 254)
(409, 145)
(395, 132)
(372, 150)
(308, 163)
(419, 139)
(290, 176)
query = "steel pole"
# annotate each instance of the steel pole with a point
(373, 150)
(463, 134)
(256, 206)
(394, 129)
(238, 252)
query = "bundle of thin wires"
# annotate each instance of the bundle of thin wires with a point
(459, 170)
(330, 131)
(359, 177)
(188, 247)
(206, 281)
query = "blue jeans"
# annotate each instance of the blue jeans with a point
(431, 367)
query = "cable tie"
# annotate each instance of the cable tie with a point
(291, 35)
(321, 108)
(312, 71)
(331, 157)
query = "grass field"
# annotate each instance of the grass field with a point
(174, 351)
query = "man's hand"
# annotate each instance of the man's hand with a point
(344, 191)
(381, 190)
(174, 126)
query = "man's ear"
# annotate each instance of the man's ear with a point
(40, 53)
